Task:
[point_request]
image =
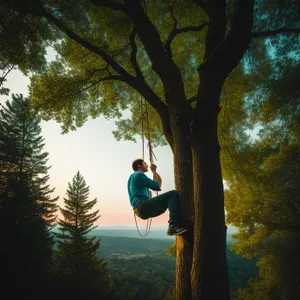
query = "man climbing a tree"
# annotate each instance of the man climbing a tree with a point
(146, 207)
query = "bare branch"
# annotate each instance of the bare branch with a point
(114, 6)
(133, 56)
(275, 32)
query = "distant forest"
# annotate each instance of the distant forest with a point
(141, 269)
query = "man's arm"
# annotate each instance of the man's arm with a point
(156, 176)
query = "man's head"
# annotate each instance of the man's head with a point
(140, 165)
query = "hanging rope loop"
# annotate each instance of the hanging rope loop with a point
(151, 154)
(148, 226)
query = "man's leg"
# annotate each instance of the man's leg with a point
(156, 206)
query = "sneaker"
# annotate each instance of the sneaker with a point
(175, 230)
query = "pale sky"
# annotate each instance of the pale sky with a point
(104, 162)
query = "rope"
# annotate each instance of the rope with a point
(148, 226)
(142, 114)
(148, 131)
(151, 154)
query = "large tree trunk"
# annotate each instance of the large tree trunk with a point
(209, 275)
(201, 264)
(184, 186)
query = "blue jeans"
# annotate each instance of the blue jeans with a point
(157, 205)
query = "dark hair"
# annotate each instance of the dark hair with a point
(135, 164)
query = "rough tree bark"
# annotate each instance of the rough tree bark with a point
(209, 270)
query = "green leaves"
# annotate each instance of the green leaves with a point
(263, 175)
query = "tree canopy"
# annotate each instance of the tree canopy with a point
(104, 64)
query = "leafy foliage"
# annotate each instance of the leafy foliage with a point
(263, 196)
(80, 83)
(23, 40)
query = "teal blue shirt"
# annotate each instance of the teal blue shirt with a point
(138, 187)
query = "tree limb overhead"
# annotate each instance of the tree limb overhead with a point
(275, 32)
(109, 4)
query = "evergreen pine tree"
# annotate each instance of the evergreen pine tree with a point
(26, 208)
(81, 273)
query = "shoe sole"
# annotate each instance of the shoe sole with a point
(177, 233)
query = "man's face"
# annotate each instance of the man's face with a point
(143, 167)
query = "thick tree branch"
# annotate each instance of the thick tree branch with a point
(109, 4)
(162, 63)
(136, 83)
(275, 32)
(216, 10)
(133, 56)
(229, 53)
(71, 34)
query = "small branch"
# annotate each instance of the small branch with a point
(193, 99)
(176, 31)
(192, 28)
(133, 126)
(172, 33)
(2, 78)
(133, 56)
(121, 51)
(275, 32)
(114, 6)
(111, 77)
